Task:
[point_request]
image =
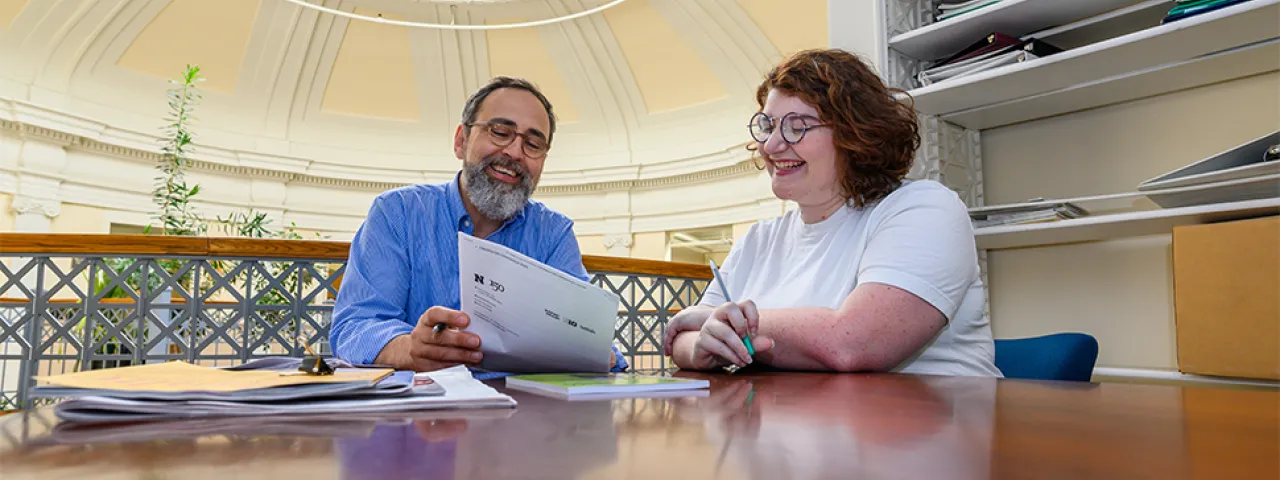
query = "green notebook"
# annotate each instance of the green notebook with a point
(579, 384)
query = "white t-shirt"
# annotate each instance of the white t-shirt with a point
(918, 238)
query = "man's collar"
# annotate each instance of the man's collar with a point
(458, 209)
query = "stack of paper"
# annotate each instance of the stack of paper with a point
(182, 390)
(993, 51)
(954, 8)
(1034, 212)
(183, 381)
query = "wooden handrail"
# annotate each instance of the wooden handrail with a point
(230, 247)
(58, 302)
(146, 245)
(112, 301)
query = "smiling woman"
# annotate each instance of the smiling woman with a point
(872, 272)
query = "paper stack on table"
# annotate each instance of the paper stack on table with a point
(182, 390)
(184, 381)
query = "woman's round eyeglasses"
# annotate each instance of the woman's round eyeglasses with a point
(502, 135)
(792, 125)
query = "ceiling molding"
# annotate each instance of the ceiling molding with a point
(46, 134)
(78, 142)
(23, 113)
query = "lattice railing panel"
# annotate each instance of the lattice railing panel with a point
(61, 314)
(647, 302)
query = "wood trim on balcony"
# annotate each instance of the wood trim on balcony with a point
(640, 266)
(298, 249)
(63, 302)
(156, 245)
(99, 244)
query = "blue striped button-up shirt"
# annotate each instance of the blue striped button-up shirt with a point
(404, 260)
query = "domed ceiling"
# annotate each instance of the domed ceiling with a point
(646, 89)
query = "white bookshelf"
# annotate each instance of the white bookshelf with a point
(1119, 225)
(1223, 66)
(1012, 92)
(1100, 68)
(1010, 17)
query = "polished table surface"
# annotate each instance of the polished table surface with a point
(759, 426)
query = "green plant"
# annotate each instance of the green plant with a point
(172, 195)
(176, 215)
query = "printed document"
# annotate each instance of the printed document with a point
(530, 316)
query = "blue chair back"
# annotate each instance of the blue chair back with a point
(1060, 356)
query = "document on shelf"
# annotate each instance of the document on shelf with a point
(531, 317)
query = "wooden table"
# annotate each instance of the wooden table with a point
(763, 426)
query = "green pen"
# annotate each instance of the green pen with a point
(715, 271)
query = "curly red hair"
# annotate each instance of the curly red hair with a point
(875, 134)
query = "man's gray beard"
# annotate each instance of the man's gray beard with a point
(495, 199)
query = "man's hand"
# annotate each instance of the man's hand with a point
(424, 350)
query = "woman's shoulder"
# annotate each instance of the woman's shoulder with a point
(918, 193)
(770, 227)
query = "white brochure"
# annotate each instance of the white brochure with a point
(532, 317)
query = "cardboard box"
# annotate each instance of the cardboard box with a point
(1226, 288)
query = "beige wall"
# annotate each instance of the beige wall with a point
(1118, 291)
(650, 245)
(687, 256)
(6, 213)
(1113, 149)
(79, 219)
(592, 245)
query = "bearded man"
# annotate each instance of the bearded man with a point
(402, 272)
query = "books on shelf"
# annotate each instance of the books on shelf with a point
(1190, 8)
(954, 8)
(1248, 171)
(587, 385)
(1033, 211)
(993, 51)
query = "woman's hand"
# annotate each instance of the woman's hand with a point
(688, 320)
(720, 341)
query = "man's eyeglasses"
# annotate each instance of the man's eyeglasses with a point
(502, 135)
(792, 125)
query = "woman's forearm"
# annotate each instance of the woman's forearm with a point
(682, 354)
(876, 329)
(795, 351)
(796, 341)
(804, 339)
